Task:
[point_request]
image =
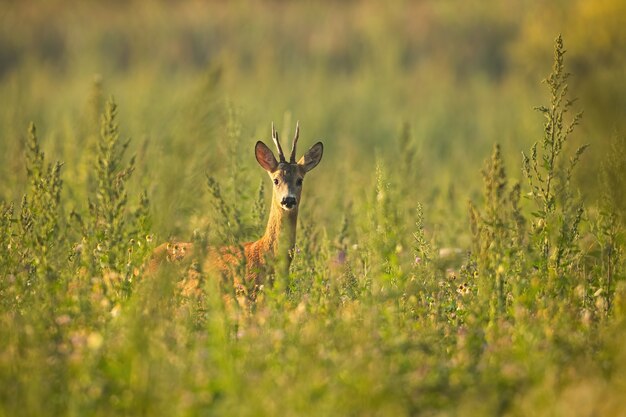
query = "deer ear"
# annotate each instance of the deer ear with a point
(265, 157)
(312, 157)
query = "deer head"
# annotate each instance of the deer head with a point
(287, 176)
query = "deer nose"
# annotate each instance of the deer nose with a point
(289, 202)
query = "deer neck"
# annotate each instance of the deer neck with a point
(280, 235)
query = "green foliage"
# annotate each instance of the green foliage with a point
(558, 214)
(114, 241)
(32, 242)
(613, 185)
(40, 210)
(393, 305)
(231, 228)
(608, 229)
(499, 236)
(422, 248)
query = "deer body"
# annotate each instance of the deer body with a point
(275, 248)
(278, 243)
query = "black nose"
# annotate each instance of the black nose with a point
(288, 202)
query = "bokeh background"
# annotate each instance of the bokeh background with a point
(432, 83)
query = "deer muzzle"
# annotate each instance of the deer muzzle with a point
(289, 202)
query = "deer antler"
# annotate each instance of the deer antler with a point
(292, 160)
(281, 155)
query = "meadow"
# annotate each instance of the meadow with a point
(460, 248)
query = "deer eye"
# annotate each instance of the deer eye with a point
(299, 181)
(275, 181)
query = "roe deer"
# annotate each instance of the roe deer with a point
(275, 248)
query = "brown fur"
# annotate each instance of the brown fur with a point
(274, 248)
(257, 256)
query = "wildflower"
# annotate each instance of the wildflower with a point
(341, 257)
(449, 252)
(77, 339)
(463, 289)
(94, 340)
(105, 303)
(78, 248)
(115, 311)
(586, 318)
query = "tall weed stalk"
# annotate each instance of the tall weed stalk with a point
(31, 241)
(498, 232)
(557, 212)
(115, 236)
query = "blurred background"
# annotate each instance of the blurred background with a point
(421, 89)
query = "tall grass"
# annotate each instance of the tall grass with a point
(375, 319)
